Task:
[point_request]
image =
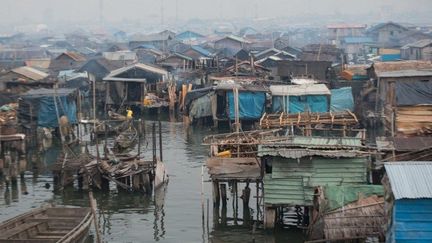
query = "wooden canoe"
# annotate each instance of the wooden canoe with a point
(49, 224)
(126, 139)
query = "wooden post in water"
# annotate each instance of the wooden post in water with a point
(154, 142)
(93, 206)
(257, 201)
(269, 217)
(216, 194)
(223, 191)
(246, 195)
(160, 141)
(139, 138)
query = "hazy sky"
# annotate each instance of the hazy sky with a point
(42, 11)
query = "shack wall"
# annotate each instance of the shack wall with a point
(293, 182)
(412, 221)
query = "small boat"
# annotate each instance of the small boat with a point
(126, 139)
(116, 116)
(48, 224)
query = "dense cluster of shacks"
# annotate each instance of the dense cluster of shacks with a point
(336, 132)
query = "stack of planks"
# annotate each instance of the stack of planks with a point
(414, 120)
(283, 119)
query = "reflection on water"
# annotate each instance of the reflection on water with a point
(173, 214)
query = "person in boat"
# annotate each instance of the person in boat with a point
(129, 113)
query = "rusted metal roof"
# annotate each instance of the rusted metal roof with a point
(30, 73)
(410, 179)
(234, 168)
(380, 67)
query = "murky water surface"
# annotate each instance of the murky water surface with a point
(173, 216)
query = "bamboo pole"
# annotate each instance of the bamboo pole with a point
(93, 206)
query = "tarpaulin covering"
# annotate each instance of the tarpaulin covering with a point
(201, 107)
(341, 99)
(47, 116)
(195, 94)
(298, 104)
(38, 105)
(251, 105)
(339, 196)
(413, 93)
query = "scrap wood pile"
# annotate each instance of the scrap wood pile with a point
(243, 144)
(153, 101)
(133, 175)
(414, 120)
(283, 119)
(246, 147)
(8, 118)
(124, 169)
(66, 161)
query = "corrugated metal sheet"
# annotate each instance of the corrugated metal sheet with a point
(412, 221)
(406, 73)
(410, 179)
(314, 146)
(293, 182)
(30, 73)
(328, 141)
(300, 153)
(299, 90)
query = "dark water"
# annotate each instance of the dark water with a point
(125, 217)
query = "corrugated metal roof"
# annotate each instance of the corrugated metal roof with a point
(380, 67)
(202, 51)
(346, 26)
(317, 142)
(358, 40)
(405, 73)
(30, 73)
(299, 90)
(146, 67)
(410, 179)
(301, 153)
(293, 182)
(328, 141)
(304, 81)
(419, 44)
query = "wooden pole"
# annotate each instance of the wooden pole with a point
(139, 138)
(216, 194)
(223, 194)
(160, 141)
(93, 206)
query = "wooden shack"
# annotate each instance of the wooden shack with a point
(22, 79)
(297, 165)
(130, 85)
(408, 201)
(405, 102)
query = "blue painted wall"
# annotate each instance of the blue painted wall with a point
(412, 221)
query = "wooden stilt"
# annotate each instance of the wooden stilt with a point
(269, 217)
(246, 196)
(223, 192)
(216, 194)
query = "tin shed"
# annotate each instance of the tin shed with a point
(408, 201)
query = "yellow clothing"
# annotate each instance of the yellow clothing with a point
(129, 114)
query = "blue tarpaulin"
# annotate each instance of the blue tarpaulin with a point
(341, 99)
(251, 105)
(297, 104)
(47, 116)
(390, 57)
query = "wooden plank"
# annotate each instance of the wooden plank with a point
(21, 228)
